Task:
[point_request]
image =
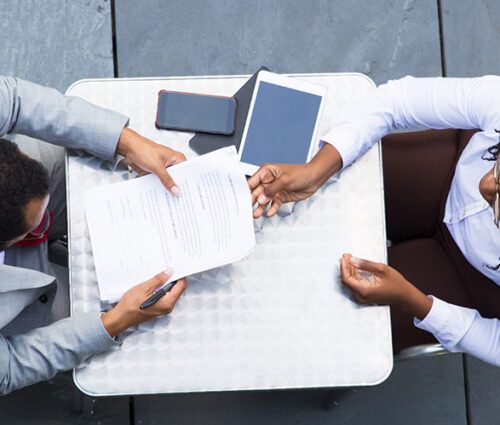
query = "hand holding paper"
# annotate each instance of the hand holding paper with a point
(137, 227)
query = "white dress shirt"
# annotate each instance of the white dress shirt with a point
(466, 103)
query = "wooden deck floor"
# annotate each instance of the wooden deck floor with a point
(56, 42)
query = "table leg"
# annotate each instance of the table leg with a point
(333, 397)
(82, 405)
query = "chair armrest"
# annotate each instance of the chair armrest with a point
(421, 351)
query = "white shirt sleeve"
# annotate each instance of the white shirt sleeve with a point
(461, 329)
(416, 103)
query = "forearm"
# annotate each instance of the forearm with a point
(414, 302)
(415, 103)
(358, 127)
(325, 164)
(114, 322)
(46, 114)
(482, 340)
(41, 353)
(461, 329)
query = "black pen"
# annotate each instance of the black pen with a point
(153, 299)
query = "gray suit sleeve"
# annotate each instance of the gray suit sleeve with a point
(41, 353)
(46, 114)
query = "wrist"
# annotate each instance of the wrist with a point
(415, 302)
(113, 322)
(125, 141)
(325, 164)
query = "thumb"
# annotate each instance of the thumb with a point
(369, 266)
(158, 280)
(168, 181)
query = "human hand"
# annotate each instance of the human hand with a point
(145, 156)
(127, 312)
(280, 183)
(377, 283)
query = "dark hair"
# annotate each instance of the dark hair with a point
(22, 179)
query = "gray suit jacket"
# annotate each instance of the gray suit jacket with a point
(46, 114)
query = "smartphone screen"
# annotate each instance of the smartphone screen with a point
(196, 112)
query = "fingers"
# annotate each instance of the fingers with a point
(369, 266)
(261, 208)
(168, 302)
(259, 211)
(266, 177)
(178, 289)
(275, 206)
(168, 181)
(348, 273)
(256, 193)
(180, 157)
(174, 159)
(345, 269)
(262, 176)
(360, 287)
(266, 185)
(158, 280)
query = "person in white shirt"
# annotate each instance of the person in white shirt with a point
(442, 207)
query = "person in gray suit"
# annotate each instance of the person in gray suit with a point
(38, 339)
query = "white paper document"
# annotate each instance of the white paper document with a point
(137, 228)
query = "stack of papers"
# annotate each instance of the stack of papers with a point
(137, 228)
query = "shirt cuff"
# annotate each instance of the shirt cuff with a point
(343, 139)
(447, 322)
(107, 127)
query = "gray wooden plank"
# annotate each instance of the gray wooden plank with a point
(428, 391)
(56, 42)
(471, 37)
(483, 382)
(383, 39)
(50, 403)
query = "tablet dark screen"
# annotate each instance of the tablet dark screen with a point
(281, 126)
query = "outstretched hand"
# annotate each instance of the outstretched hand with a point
(145, 156)
(276, 184)
(377, 283)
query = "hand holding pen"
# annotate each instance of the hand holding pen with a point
(155, 298)
(157, 295)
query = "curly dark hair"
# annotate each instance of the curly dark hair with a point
(22, 179)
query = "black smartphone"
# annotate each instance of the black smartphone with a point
(195, 112)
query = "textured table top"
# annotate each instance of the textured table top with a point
(277, 319)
